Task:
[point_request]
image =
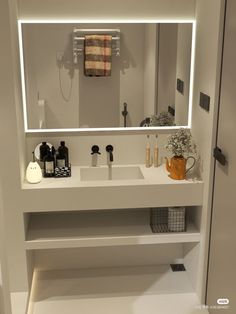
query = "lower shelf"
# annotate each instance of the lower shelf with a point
(130, 290)
(85, 229)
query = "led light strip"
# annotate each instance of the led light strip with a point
(22, 71)
(26, 21)
(192, 67)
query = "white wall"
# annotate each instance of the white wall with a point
(41, 44)
(13, 139)
(167, 66)
(94, 101)
(123, 9)
(131, 70)
(150, 70)
(128, 149)
(184, 43)
(207, 66)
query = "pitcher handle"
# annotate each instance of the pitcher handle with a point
(194, 161)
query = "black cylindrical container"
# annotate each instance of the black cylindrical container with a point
(43, 150)
(49, 164)
(63, 155)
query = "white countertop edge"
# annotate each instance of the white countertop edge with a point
(152, 176)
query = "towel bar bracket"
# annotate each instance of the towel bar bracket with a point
(79, 36)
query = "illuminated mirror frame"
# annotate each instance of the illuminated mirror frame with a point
(116, 129)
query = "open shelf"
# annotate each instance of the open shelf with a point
(94, 229)
(126, 290)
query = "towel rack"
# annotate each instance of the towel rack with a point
(79, 36)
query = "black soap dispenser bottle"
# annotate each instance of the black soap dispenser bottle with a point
(49, 163)
(62, 158)
(43, 150)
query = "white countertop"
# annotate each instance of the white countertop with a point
(155, 190)
(152, 176)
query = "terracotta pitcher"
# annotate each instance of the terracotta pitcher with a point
(177, 167)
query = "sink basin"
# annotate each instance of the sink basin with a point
(113, 173)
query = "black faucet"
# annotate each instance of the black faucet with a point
(124, 113)
(109, 149)
(95, 150)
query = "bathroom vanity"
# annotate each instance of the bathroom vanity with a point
(94, 244)
(87, 238)
(91, 241)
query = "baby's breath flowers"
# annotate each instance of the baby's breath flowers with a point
(181, 144)
(164, 119)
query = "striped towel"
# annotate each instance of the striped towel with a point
(97, 57)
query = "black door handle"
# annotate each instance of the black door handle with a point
(219, 156)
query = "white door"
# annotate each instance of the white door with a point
(222, 262)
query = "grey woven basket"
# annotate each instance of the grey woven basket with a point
(172, 219)
(159, 220)
(176, 219)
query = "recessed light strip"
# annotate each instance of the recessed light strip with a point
(22, 70)
(45, 21)
(192, 66)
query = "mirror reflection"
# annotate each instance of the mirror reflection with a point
(106, 75)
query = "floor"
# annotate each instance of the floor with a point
(135, 290)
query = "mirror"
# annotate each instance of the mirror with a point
(150, 83)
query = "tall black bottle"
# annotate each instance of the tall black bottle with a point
(62, 158)
(49, 163)
(43, 148)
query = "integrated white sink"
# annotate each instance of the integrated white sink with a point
(113, 173)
